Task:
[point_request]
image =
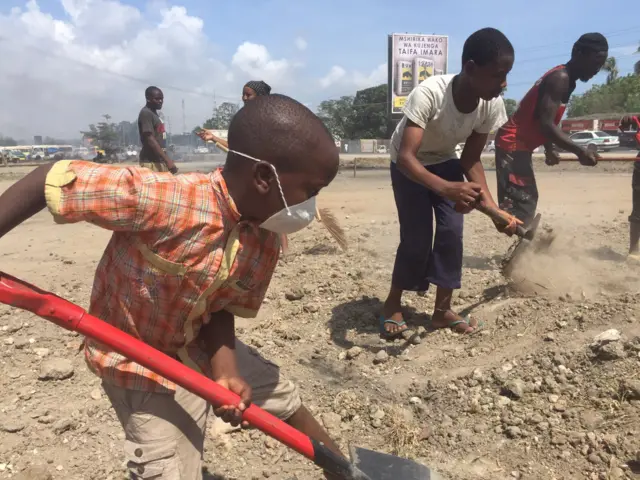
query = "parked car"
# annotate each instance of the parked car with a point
(382, 149)
(595, 141)
(201, 150)
(80, 153)
(16, 156)
(36, 154)
(491, 146)
(628, 139)
(53, 155)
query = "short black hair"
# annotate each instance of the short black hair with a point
(148, 93)
(486, 46)
(590, 43)
(279, 130)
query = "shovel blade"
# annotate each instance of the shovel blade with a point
(381, 466)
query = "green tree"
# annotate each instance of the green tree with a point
(369, 117)
(622, 95)
(361, 116)
(57, 141)
(7, 141)
(128, 133)
(337, 115)
(510, 106)
(104, 135)
(636, 66)
(221, 118)
(611, 67)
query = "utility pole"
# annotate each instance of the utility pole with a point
(184, 120)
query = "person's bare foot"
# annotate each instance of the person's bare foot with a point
(450, 319)
(392, 321)
(634, 258)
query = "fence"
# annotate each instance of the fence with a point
(365, 146)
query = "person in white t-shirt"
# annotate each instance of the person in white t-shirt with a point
(428, 177)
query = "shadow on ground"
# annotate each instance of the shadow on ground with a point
(634, 466)
(483, 263)
(606, 254)
(362, 316)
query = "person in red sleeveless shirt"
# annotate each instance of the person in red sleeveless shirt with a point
(628, 123)
(535, 123)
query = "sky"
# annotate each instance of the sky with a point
(67, 62)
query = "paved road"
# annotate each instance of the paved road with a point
(211, 161)
(208, 162)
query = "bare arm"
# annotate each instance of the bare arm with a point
(418, 111)
(409, 164)
(471, 163)
(218, 340)
(23, 199)
(625, 124)
(152, 144)
(556, 86)
(207, 136)
(147, 129)
(464, 192)
(550, 154)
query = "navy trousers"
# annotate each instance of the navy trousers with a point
(426, 255)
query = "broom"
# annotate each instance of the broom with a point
(323, 215)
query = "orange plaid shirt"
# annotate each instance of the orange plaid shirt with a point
(179, 252)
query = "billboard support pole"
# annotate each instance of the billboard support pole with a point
(390, 79)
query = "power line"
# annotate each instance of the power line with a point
(215, 96)
(112, 73)
(571, 42)
(516, 84)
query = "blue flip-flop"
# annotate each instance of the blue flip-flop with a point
(391, 335)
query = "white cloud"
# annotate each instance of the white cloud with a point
(58, 74)
(375, 77)
(301, 44)
(104, 20)
(335, 75)
(338, 76)
(256, 61)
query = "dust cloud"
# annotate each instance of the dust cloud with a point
(564, 262)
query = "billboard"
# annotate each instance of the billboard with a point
(413, 59)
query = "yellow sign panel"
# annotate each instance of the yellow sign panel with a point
(398, 103)
(413, 59)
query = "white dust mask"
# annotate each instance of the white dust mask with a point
(291, 218)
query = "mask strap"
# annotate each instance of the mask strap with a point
(274, 171)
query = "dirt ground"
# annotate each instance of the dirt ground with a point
(539, 394)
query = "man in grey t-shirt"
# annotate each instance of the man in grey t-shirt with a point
(153, 134)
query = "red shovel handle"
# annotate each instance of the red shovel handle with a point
(20, 294)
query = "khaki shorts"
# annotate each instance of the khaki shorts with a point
(155, 166)
(164, 433)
